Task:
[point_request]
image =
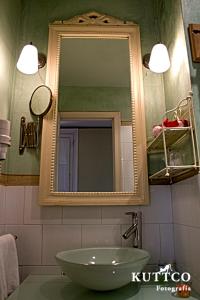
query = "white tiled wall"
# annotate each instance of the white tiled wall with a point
(43, 231)
(186, 218)
(126, 158)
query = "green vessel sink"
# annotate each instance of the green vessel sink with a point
(102, 269)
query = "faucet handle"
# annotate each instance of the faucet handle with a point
(136, 215)
(131, 213)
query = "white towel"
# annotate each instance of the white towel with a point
(9, 272)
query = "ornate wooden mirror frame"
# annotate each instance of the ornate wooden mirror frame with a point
(102, 26)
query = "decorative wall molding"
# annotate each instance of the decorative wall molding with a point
(93, 18)
(17, 180)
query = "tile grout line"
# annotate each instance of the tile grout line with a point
(24, 205)
(81, 235)
(160, 245)
(42, 244)
(173, 227)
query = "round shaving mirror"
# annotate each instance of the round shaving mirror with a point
(41, 101)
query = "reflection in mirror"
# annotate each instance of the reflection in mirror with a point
(88, 152)
(85, 161)
(94, 76)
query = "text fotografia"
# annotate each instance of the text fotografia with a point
(173, 289)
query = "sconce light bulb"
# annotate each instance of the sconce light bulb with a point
(159, 60)
(28, 60)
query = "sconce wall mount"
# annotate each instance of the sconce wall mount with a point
(145, 60)
(41, 60)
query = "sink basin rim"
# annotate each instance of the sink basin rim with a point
(118, 264)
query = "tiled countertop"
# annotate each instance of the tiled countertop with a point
(51, 287)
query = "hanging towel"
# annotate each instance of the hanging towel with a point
(9, 272)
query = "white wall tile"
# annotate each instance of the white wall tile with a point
(160, 208)
(158, 241)
(58, 238)
(2, 205)
(117, 214)
(158, 211)
(14, 205)
(29, 243)
(36, 214)
(126, 133)
(166, 244)
(127, 174)
(127, 151)
(82, 215)
(194, 251)
(186, 212)
(83, 227)
(181, 245)
(39, 270)
(151, 241)
(195, 285)
(2, 229)
(187, 249)
(186, 201)
(20, 274)
(101, 235)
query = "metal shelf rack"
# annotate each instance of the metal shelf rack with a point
(170, 136)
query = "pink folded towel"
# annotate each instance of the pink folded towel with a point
(9, 272)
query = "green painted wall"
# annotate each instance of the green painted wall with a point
(9, 24)
(177, 82)
(191, 14)
(36, 16)
(105, 99)
(9, 33)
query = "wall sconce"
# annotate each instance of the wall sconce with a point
(30, 60)
(158, 61)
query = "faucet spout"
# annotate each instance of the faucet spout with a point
(131, 230)
(135, 229)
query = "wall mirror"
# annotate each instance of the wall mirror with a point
(93, 140)
(41, 100)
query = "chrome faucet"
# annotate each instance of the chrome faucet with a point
(135, 229)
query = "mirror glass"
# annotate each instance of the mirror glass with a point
(41, 101)
(94, 76)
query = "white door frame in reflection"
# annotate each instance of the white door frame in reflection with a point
(94, 25)
(114, 117)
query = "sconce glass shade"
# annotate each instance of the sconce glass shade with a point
(159, 60)
(28, 60)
